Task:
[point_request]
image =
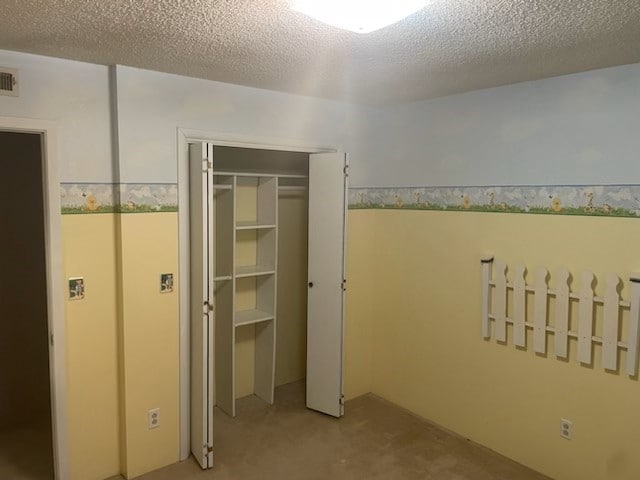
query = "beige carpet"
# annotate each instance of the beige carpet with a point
(374, 440)
(26, 454)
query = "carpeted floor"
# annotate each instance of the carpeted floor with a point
(374, 440)
(26, 454)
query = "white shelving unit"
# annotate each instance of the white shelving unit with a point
(233, 234)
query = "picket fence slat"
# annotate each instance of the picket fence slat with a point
(634, 327)
(561, 339)
(501, 302)
(519, 306)
(610, 329)
(585, 318)
(486, 296)
(540, 311)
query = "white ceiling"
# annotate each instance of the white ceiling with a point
(449, 47)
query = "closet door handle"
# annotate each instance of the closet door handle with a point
(310, 284)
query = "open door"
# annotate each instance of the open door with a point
(325, 316)
(201, 234)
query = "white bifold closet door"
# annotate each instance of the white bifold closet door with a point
(201, 325)
(326, 243)
(325, 304)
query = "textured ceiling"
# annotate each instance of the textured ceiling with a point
(450, 46)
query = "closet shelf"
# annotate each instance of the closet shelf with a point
(222, 278)
(254, 271)
(222, 186)
(253, 226)
(248, 317)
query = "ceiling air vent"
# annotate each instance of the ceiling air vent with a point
(8, 82)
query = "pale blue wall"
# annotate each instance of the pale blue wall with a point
(75, 96)
(573, 129)
(152, 105)
(582, 128)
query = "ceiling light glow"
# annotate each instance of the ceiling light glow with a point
(360, 16)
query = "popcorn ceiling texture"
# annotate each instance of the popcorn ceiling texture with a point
(450, 46)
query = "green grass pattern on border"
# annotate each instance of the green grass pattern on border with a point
(119, 209)
(579, 211)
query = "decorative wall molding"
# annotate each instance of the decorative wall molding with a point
(558, 304)
(84, 198)
(594, 200)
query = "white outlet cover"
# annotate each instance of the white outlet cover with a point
(566, 428)
(153, 418)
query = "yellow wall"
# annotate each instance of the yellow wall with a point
(150, 338)
(119, 369)
(431, 359)
(92, 348)
(291, 337)
(361, 254)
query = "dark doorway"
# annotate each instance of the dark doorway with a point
(26, 448)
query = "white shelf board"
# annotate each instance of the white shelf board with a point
(254, 271)
(222, 186)
(252, 226)
(222, 278)
(248, 317)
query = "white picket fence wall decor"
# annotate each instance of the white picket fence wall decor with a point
(494, 309)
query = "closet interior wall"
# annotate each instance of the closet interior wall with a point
(291, 263)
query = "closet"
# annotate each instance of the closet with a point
(262, 315)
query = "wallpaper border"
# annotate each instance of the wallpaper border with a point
(92, 198)
(591, 200)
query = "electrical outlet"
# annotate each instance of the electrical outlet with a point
(153, 418)
(566, 428)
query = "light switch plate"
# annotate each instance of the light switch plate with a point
(76, 288)
(166, 282)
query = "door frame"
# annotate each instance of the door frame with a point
(219, 139)
(55, 284)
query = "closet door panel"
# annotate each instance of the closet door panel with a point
(327, 204)
(201, 329)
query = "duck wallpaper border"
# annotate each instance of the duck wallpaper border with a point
(82, 198)
(592, 200)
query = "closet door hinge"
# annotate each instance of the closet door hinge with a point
(208, 307)
(51, 339)
(346, 170)
(341, 400)
(206, 165)
(344, 284)
(208, 449)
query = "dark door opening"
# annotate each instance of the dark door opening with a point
(26, 442)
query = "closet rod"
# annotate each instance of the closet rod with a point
(245, 174)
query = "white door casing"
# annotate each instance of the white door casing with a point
(328, 182)
(55, 286)
(185, 137)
